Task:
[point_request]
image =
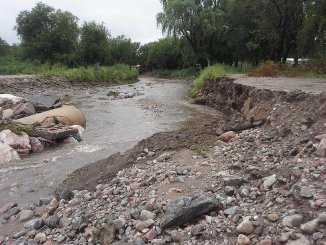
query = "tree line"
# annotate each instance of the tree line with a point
(233, 31)
(198, 32)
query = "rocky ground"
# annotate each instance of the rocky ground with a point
(257, 176)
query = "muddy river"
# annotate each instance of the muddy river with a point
(113, 125)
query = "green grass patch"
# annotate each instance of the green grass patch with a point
(117, 74)
(174, 74)
(212, 72)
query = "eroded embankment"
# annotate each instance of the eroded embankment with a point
(264, 186)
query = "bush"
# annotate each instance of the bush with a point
(174, 74)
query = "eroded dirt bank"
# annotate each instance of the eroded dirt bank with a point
(263, 186)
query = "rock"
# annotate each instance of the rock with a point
(45, 102)
(149, 236)
(265, 242)
(54, 204)
(227, 136)
(45, 201)
(11, 212)
(285, 237)
(301, 240)
(306, 192)
(163, 157)
(229, 190)
(233, 180)
(269, 181)
(292, 221)
(322, 218)
(34, 224)
(61, 238)
(19, 234)
(54, 133)
(66, 195)
(244, 191)
(231, 211)
(54, 221)
(8, 154)
(273, 217)
(1, 113)
(119, 223)
(5, 98)
(318, 235)
(7, 206)
(23, 110)
(144, 224)
(19, 142)
(197, 207)
(243, 240)
(245, 227)
(146, 215)
(36, 145)
(321, 148)
(40, 237)
(310, 227)
(25, 215)
(108, 233)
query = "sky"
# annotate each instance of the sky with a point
(136, 19)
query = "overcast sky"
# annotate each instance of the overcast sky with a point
(134, 18)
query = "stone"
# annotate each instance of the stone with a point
(40, 237)
(197, 207)
(23, 110)
(269, 181)
(34, 224)
(322, 218)
(53, 221)
(61, 238)
(11, 212)
(8, 154)
(25, 215)
(19, 142)
(231, 211)
(232, 180)
(293, 220)
(245, 227)
(66, 195)
(310, 227)
(244, 191)
(229, 190)
(285, 237)
(318, 235)
(45, 102)
(227, 136)
(45, 201)
(7, 206)
(36, 145)
(146, 215)
(19, 234)
(265, 242)
(151, 235)
(301, 240)
(163, 157)
(119, 223)
(1, 113)
(55, 133)
(144, 224)
(321, 148)
(243, 240)
(108, 233)
(5, 98)
(273, 217)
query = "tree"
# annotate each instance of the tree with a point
(93, 47)
(196, 21)
(123, 50)
(47, 34)
(4, 47)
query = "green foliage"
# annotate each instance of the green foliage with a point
(212, 72)
(47, 35)
(4, 47)
(94, 43)
(175, 74)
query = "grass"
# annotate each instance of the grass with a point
(116, 74)
(272, 69)
(174, 74)
(212, 72)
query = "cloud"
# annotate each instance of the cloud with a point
(135, 19)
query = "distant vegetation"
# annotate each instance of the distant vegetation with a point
(233, 33)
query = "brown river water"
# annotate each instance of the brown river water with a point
(112, 126)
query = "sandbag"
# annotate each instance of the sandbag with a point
(69, 115)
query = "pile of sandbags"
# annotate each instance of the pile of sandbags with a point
(31, 125)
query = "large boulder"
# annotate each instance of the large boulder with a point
(20, 143)
(7, 154)
(8, 100)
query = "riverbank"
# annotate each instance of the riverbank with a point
(263, 186)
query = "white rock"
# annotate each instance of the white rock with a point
(269, 181)
(8, 154)
(19, 142)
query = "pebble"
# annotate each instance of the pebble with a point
(243, 240)
(25, 215)
(245, 227)
(310, 227)
(293, 220)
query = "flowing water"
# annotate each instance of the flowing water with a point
(113, 125)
